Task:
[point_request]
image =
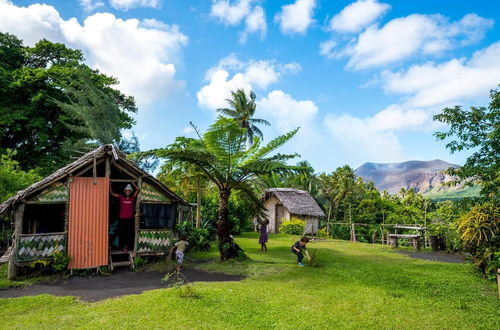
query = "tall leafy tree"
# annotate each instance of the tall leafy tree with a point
(12, 177)
(242, 109)
(222, 154)
(477, 129)
(51, 103)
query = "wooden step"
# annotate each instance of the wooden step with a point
(117, 252)
(121, 263)
(113, 264)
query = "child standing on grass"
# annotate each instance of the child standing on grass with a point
(180, 247)
(263, 235)
(297, 249)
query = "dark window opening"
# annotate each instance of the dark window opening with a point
(100, 171)
(44, 218)
(117, 173)
(158, 216)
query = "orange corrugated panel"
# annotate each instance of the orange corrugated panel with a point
(88, 222)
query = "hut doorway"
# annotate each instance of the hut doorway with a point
(280, 213)
(88, 222)
(116, 243)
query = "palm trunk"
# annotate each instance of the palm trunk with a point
(227, 246)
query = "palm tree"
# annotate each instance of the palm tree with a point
(242, 110)
(222, 154)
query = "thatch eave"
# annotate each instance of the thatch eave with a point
(85, 160)
(297, 202)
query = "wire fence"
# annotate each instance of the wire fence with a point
(370, 233)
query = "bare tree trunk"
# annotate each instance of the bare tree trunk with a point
(198, 202)
(227, 246)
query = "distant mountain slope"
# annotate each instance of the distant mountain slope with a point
(426, 177)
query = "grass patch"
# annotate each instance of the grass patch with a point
(357, 286)
(5, 283)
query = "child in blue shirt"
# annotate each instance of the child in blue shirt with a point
(297, 249)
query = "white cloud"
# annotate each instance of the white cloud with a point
(255, 22)
(254, 17)
(375, 137)
(456, 80)
(142, 57)
(404, 37)
(427, 88)
(358, 15)
(129, 4)
(353, 136)
(91, 5)
(297, 17)
(187, 130)
(287, 113)
(247, 75)
(230, 14)
(326, 49)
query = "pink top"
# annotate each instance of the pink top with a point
(126, 206)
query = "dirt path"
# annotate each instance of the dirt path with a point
(122, 282)
(436, 256)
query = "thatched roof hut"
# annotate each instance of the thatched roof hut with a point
(71, 211)
(286, 203)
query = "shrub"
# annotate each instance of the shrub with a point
(293, 226)
(314, 262)
(341, 232)
(198, 238)
(480, 225)
(480, 231)
(187, 291)
(322, 233)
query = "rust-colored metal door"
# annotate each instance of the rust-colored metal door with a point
(88, 222)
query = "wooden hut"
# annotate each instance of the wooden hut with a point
(72, 211)
(286, 203)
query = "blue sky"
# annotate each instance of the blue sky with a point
(361, 78)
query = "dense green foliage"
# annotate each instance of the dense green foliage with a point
(51, 103)
(355, 286)
(241, 211)
(198, 238)
(293, 227)
(477, 129)
(12, 177)
(480, 231)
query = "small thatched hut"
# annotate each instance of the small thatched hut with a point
(286, 203)
(72, 211)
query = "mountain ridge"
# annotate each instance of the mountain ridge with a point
(426, 177)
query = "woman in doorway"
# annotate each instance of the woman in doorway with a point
(126, 215)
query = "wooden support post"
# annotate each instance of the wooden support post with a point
(18, 229)
(66, 213)
(498, 281)
(137, 215)
(108, 167)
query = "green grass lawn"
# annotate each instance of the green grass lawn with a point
(357, 285)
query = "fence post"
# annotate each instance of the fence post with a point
(498, 281)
